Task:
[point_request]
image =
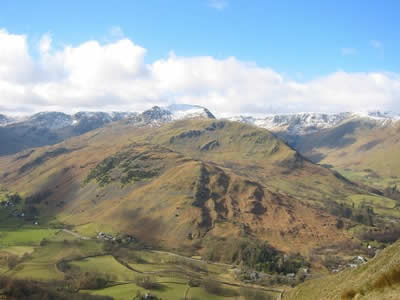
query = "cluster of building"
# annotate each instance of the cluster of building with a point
(125, 239)
(354, 263)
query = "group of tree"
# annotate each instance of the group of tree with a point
(392, 192)
(17, 289)
(256, 255)
(364, 214)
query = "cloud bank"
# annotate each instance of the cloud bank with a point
(114, 76)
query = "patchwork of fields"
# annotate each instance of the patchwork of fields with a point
(52, 254)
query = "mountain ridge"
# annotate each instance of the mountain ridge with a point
(310, 122)
(57, 119)
(339, 140)
(294, 123)
(192, 190)
(48, 128)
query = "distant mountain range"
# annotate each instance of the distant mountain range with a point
(293, 124)
(348, 141)
(307, 123)
(58, 120)
(47, 128)
(362, 146)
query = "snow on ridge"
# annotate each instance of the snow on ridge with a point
(378, 115)
(57, 120)
(157, 115)
(304, 123)
(52, 120)
(6, 120)
(293, 123)
(186, 111)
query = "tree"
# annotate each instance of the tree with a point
(147, 283)
(12, 261)
(339, 224)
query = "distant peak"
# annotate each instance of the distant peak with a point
(182, 111)
(176, 112)
(377, 114)
(309, 122)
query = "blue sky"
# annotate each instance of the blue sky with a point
(294, 37)
(299, 40)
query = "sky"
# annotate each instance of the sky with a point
(231, 56)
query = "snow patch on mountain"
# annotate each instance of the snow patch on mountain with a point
(382, 118)
(50, 120)
(186, 111)
(88, 120)
(157, 116)
(5, 120)
(103, 117)
(306, 123)
(294, 124)
(59, 120)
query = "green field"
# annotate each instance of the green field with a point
(41, 261)
(382, 206)
(19, 250)
(40, 271)
(24, 236)
(372, 200)
(119, 292)
(106, 265)
(361, 176)
(169, 291)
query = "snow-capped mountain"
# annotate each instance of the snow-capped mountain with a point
(382, 118)
(103, 117)
(158, 115)
(306, 123)
(46, 128)
(294, 124)
(85, 121)
(90, 120)
(4, 120)
(185, 111)
(50, 120)
(59, 120)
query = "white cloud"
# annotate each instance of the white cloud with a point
(45, 43)
(114, 76)
(348, 51)
(15, 63)
(218, 4)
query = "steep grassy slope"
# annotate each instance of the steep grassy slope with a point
(363, 150)
(183, 186)
(377, 279)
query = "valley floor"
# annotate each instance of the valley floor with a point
(63, 255)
